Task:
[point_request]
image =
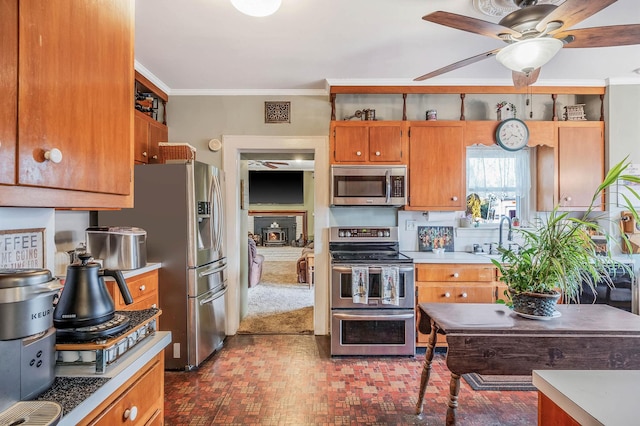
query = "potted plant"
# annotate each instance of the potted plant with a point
(557, 254)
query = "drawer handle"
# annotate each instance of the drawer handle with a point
(378, 153)
(454, 198)
(155, 157)
(131, 413)
(358, 153)
(464, 295)
(447, 294)
(455, 275)
(144, 153)
(143, 287)
(568, 199)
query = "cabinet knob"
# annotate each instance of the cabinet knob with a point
(447, 294)
(144, 153)
(454, 198)
(464, 295)
(54, 155)
(358, 153)
(455, 275)
(131, 413)
(568, 199)
(143, 288)
(155, 157)
(378, 153)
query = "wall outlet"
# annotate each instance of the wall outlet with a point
(410, 225)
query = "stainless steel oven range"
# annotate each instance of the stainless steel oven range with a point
(372, 293)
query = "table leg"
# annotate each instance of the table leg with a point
(426, 369)
(454, 390)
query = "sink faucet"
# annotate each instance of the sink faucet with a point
(509, 235)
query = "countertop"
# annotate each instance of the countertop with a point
(593, 397)
(448, 257)
(134, 272)
(77, 378)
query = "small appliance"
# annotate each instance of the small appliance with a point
(119, 247)
(27, 338)
(369, 185)
(85, 309)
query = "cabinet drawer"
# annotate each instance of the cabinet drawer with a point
(467, 293)
(455, 273)
(142, 400)
(143, 289)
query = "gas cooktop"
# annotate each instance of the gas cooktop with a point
(369, 257)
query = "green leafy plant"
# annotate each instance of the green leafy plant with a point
(558, 253)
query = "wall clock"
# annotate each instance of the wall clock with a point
(512, 134)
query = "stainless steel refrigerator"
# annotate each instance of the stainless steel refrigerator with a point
(181, 208)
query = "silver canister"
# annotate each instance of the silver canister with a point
(369, 114)
(432, 115)
(118, 247)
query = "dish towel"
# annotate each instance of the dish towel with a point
(360, 284)
(390, 276)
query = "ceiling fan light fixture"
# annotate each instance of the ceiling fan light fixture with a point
(528, 55)
(257, 8)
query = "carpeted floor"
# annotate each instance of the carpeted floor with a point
(279, 304)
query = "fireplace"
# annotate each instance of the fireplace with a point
(274, 236)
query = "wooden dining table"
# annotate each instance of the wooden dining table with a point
(493, 339)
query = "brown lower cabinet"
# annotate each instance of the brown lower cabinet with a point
(549, 413)
(454, 283)
(143, 289)
(140, 401)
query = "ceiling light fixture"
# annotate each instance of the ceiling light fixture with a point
(528, 55)
(258, 8)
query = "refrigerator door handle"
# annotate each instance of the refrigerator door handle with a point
(213, 270)
(214, 297)
(217, 193)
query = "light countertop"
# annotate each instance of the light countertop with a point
(593, 397)
(448, 257)
(134, 272)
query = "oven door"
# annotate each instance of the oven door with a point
(342, 289)
(373, 332)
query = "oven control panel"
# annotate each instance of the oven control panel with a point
(364, 234)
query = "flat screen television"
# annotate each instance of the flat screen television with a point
(276, 187)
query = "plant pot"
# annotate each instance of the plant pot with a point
(537, 304)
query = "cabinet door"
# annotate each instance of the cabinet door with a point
(437, 167)
(8, 90)
(385, 144)
(580, 163)
(351, 143)
(158, 132)
(140, 139)
(75, 85)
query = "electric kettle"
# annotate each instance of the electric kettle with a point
(85, 300)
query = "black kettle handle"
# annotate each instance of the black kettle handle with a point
(117, 275)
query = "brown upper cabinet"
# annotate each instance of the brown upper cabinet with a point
(363, 142)
(437, 166)
(150, 120)
(67, 122)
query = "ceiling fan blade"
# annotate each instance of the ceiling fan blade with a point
(521, 79)
(614, 35)
(573, 11)
(269, 165)
(458, 64)
(472, 25)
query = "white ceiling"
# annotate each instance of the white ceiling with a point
(208, 47)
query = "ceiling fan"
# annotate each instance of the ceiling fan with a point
(270, 164)
(534, 34)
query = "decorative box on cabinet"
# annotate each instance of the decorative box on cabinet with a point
(368, 142)
(454, 283)
(437, 166)
(84, 144)
(143, 289)
(140, 401)
(569, 175)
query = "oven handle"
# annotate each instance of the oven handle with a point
(373, 317)
(387, 177)
(341, 268)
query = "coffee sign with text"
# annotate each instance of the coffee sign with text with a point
(22, 248)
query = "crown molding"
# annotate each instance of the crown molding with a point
(249, 92)
(152, 78)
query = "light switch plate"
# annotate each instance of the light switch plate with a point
(410, 225)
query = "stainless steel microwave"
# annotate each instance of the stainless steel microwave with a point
(365, 185)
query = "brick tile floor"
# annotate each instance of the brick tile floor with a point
(293, 380)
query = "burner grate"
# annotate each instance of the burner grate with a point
(118, 323)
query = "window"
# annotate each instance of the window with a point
(500, 181)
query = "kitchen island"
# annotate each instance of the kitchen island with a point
(587, 397)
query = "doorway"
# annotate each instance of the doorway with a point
(235, 163)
